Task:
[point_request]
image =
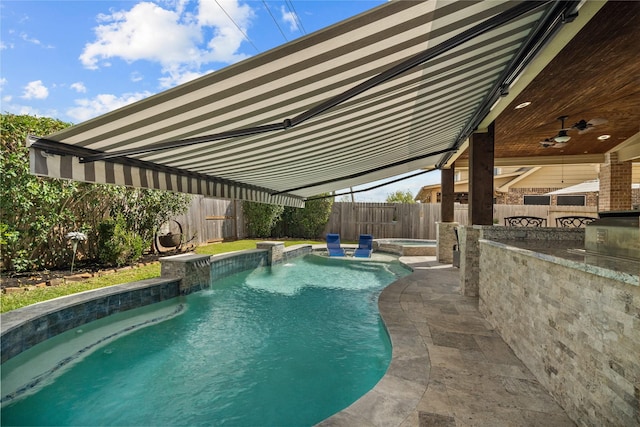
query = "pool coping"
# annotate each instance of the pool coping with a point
(395, 397)
(22, 328)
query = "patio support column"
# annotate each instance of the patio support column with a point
(448, 194)
(481, 150)
(445, 234)
(615, 184)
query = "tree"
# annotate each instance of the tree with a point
(400, 197)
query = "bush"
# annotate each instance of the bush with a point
(116, 245)
(36, 212)
(306, 223)
(260, 218)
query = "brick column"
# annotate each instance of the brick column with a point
(615, 184)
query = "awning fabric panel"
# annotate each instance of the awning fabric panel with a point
(43, 163)
(394, 128)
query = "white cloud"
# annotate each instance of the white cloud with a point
(3, 81)
(177, 75)
(174, 38)
(289, 18)
(136, 76)
(227, 38)
(101, 104)
(18, 109)
(32, 40)
(79, 87)
(35, 90)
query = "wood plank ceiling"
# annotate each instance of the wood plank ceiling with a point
(597, 75)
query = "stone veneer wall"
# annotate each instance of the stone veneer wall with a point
(446, 238)
(575, 326)
(469, 236)
(25, 327)
(469, 257)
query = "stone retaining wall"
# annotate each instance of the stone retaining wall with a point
(576, 327)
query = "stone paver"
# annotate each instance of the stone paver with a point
(449, 367)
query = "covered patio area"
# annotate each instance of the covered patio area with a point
(421, 86)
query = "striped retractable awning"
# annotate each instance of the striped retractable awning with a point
(392, 90)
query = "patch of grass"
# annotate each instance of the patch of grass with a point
(16, 300)
(240, 245)
(33, 295)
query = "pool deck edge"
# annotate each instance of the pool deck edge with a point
(449, 367)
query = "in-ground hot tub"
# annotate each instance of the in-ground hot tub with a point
(406, 247)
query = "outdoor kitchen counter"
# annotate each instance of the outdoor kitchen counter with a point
(622, 270)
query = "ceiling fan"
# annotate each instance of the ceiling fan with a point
(562, 138)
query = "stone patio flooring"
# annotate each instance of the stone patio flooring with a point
(449, 367)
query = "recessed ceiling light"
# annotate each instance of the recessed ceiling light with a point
(604, 137)
(524, 104)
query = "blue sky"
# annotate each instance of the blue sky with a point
(75, 60)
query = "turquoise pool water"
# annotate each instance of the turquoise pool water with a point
(287, 346)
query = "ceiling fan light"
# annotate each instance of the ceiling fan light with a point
(562, 137)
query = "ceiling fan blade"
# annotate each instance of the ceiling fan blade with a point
(547, 143)
(597, 122)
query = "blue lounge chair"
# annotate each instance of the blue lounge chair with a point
(365, 246)
(333, 245)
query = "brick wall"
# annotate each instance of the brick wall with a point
(578, 332)
(515, 196)
(615, 184)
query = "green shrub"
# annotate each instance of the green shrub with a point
(117, 245)
(260, 218)
(306, 223)
(36, 213)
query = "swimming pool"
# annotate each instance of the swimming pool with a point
(286, 345)
(406, 247)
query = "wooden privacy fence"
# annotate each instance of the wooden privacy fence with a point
(418, 221)
(384, 220)
(214, 220)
